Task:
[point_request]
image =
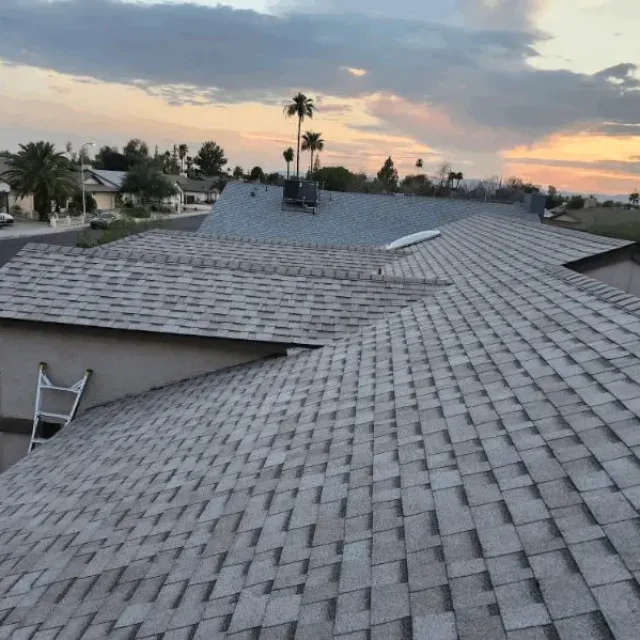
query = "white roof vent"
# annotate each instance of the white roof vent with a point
(414, 238)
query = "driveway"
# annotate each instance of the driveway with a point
(11, 244)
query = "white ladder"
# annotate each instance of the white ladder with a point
(40, 416)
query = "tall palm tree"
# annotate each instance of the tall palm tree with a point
(40, 170)
(300, 107)
(419, 164)
(288, 155)
(183, 150)
(312, 141)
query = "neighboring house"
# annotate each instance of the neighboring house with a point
(451, 450)
(561, 214)
(105, 186)
(8, 198)
(197, 191)
(105, 192)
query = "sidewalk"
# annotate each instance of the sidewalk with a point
(21, 229)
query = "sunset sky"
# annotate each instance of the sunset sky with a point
(545, 89)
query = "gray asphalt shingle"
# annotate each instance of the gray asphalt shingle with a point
(342, 218)
(166, 293)
(463, 468)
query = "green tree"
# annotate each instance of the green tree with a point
(312, 141)
(274, 179)
(76, 202)
(136, 151)
(174, 162)
(554, 199)
(388, 176)
(575, 202)
(257, 174)
(238, 173)
(419, 185)
(634, 199)
(147, 183)
(288, 155)
(211, 159)
(300, 107)
(335, 178)
(183, 150)
(110, 159)
(40, 170)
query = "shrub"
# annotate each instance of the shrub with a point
(118, 230)
(75, 205)
(575, 202)
(138, 212)
(16, 209)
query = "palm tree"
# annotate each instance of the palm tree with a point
(183, 150)
(40, 170)
(312, 141)
(288, 155)
(419, 164)
(300, 107)
(459, 178)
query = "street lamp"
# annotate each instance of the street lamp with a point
(84, 198)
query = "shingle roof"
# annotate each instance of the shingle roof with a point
(145, 291)
(266, 252)
(115, 178)
(342, 218)
(197, 186)
(465, 468)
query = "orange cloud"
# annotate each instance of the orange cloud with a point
(579, 162)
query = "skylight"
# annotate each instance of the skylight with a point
(414, 238)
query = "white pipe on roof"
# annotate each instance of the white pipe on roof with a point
(414, 238)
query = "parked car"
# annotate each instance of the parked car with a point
(103, 220)
(6, 218)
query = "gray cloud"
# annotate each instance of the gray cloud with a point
(632, 167)
(187, 53)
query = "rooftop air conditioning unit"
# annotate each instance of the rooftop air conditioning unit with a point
(300, 193)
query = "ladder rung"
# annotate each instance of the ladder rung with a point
(39, 441)
(53, 416)
(51, 387)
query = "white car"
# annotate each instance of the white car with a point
(5, 218)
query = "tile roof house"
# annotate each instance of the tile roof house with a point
(9, 200)
(197, 191)
(463, 465)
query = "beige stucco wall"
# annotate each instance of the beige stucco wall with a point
(13, 447)
(26, 203)
(623, 274)
(105, 201)
(124, 363)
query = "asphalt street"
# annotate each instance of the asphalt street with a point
(10, 246)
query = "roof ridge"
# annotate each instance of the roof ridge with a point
(232, 265)
(277, 242)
